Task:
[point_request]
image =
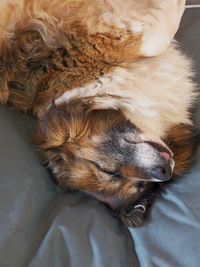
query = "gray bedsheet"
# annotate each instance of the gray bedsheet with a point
(42, 226)
(172, 235)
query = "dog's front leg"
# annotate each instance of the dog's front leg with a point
(134, 215)
(161, 25)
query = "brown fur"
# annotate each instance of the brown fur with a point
(41, 60)
(50, 47)
(183, 140)
(64, 138)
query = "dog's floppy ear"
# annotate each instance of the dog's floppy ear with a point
(61, 124)
(53, 129)
(183, 139)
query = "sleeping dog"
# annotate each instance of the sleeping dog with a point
(111, 92)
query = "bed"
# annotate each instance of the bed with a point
(42, 225)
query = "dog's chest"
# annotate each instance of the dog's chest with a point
(154, 92)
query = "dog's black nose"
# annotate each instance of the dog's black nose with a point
(161, 173)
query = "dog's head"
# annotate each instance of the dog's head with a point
(101, 152)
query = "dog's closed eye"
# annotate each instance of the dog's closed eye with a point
(115, 174)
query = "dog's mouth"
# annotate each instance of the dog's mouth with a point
(166, 155)
(164, 151)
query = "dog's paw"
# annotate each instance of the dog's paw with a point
(177, 6)
(134, 216)
(160, 29)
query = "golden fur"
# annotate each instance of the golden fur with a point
(110, 94)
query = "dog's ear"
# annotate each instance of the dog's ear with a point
(52, 130)
(183, 139)
(65, 123)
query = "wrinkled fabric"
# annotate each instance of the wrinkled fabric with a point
(43, 226)
(171, 237)
(192, 2)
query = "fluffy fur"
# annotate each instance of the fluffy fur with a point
(111, 96)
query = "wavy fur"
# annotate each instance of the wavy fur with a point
(110, 94)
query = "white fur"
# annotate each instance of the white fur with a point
(145, 155)
(156, 20)
(155, 93)
(162, 26)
